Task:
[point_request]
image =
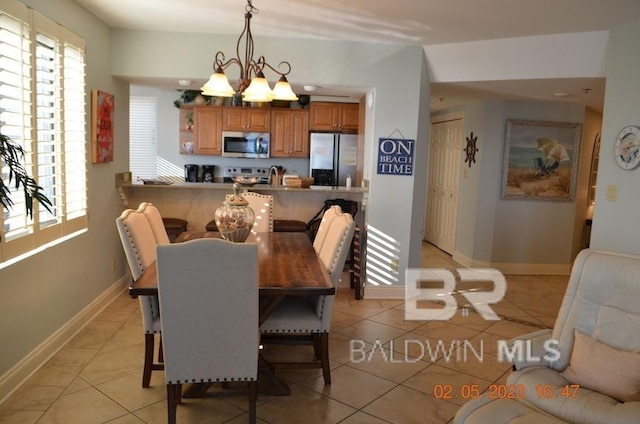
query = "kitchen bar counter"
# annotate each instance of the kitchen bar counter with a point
(197, 202)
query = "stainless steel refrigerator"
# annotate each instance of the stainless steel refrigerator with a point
(332, 158)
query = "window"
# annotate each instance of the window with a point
(42, 107)
(143, 149)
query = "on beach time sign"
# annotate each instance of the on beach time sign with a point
(395, 156)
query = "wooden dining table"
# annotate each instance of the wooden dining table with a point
(287, 266)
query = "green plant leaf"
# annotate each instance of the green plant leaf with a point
(12, 155)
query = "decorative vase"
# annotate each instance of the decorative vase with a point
(235, 218)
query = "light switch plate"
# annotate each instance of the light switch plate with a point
(612, 193)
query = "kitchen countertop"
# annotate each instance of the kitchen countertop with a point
(257, 187)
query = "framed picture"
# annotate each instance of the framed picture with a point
(540, 160)
(102, 126)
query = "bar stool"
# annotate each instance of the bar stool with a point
(174, 227)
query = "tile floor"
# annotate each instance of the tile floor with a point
(96, 377)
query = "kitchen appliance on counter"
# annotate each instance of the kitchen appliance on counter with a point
(333, 157)
(236, 171)
(191, 173)
(245, 144)
(208, 172)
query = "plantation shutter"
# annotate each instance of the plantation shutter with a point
(42, 108)
(15, 110)
(143, 150)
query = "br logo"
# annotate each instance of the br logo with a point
(427, 303)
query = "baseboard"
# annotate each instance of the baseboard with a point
(384, 292)
(533, 269)
(19, 373)
(514, 268)
(468, 262)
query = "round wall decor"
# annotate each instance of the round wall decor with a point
(627, 147)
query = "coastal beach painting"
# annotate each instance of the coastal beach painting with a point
(540, 160)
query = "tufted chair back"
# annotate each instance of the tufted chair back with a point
(325, 223)
(155, 221)
(208, 291)
(139, 244)
(262, 205)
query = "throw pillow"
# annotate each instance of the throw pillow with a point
(599, 367)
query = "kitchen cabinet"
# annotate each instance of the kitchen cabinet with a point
(333, 116)
(186, 129)
(290, 133)
(246, 119)
(207, 121)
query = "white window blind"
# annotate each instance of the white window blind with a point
(143, 150)
(42, 108)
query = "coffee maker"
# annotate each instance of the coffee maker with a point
(208, 173)
(191, 173)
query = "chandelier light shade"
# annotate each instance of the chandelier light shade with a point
(283, 91)
(218, 85)
(252, 84)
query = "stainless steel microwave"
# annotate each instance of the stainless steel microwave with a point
(245, 144)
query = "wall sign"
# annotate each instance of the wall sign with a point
(395, 156)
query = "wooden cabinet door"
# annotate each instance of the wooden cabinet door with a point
(299, 144)
(208, 130)
(233, 119)
(348, 116)
(258, 120)
(290, 133)
(246, 119)
(324, 116)
(330, 116)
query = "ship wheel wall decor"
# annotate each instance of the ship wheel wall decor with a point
(471, 149)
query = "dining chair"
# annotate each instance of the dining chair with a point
(325, 223)
(208, 293)
(139, 244)
(262, 205)
(308, 320)
(155, 221)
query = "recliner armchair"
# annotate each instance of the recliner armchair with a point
(587, 369)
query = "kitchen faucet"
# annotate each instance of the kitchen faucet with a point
(277, 180)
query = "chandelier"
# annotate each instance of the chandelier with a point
(253, 85)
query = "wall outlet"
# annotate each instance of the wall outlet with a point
(394, 265)
(113, 264)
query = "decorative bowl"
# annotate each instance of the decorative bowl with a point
(246, 181)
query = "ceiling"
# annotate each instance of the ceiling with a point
(423, 22)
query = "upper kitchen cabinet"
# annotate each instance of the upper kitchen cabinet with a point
(290, 133)
(246, 119)
(332, 116)
(207, 123)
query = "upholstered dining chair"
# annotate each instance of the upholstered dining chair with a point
(155, 221)
(308, 320)
(139, 244)
(325, 223)
(208, 293)
(262, 205)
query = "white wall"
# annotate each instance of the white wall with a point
(40, 294)
(615, 223)
(511, 233)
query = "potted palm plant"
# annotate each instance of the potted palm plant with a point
(12, 155)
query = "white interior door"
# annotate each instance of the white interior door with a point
(445, 157)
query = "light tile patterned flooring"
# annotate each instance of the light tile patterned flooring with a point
(96, 377)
